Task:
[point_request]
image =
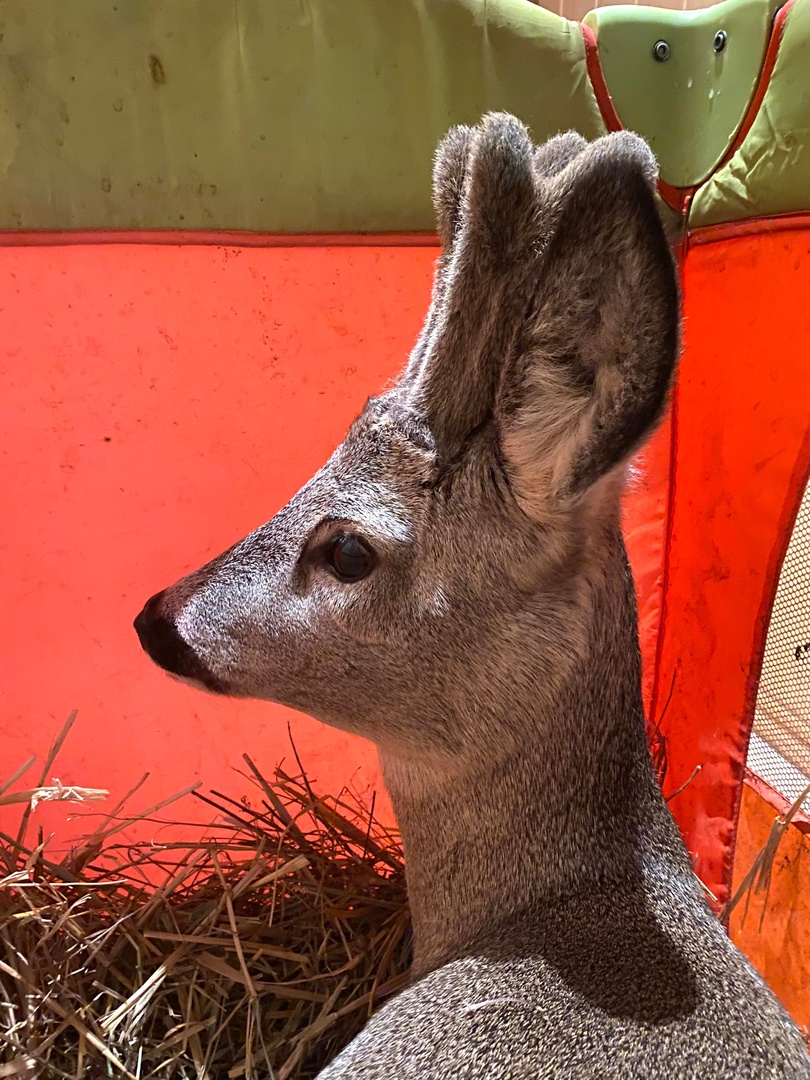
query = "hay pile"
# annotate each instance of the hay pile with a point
(256, 947)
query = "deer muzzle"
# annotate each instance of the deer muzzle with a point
(157, 632)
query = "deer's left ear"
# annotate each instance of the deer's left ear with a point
(600, 339)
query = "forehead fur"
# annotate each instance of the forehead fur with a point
(391, 421)
(382, 471)
(390, 441)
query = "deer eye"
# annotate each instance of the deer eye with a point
(349, 558)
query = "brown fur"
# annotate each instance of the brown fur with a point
(492, 653)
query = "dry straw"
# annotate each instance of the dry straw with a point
(254, 947)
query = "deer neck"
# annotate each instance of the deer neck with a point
(574, 806)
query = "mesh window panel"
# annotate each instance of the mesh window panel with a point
(779, 751)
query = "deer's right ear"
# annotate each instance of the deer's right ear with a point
(600, 339)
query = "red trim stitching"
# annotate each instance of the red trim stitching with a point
(678, 199)
(597, 77)
(713, 234)
(707, 234)
(667, 550)
(680, 256)
(223, 238)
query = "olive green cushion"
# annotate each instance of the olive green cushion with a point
(287, 116)
(770, 172)
(690, 105)
(270, 115)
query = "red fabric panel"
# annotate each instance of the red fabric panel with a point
(645, 520)
(164, 400)
(743, 408)
(158, 403)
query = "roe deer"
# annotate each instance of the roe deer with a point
(453, 584)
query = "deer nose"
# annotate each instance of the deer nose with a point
(161, 641)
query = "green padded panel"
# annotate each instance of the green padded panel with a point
(690, 106)
(770, 172)
(268, 115)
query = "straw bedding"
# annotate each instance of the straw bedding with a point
(255, 947)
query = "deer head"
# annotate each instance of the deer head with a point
(439, 567)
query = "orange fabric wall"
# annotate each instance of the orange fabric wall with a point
(773, 930)
(742, 458)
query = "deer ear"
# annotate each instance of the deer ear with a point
(554, 155)
(486, 202)
(600, 340)
(449, 174)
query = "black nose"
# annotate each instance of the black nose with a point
(161, 641)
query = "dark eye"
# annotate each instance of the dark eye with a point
(350, 558)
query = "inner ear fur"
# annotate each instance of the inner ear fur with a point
(599, 343)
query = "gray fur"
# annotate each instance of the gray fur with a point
(493, 655)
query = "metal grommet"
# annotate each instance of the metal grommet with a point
(720, 39)
(662, 51)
